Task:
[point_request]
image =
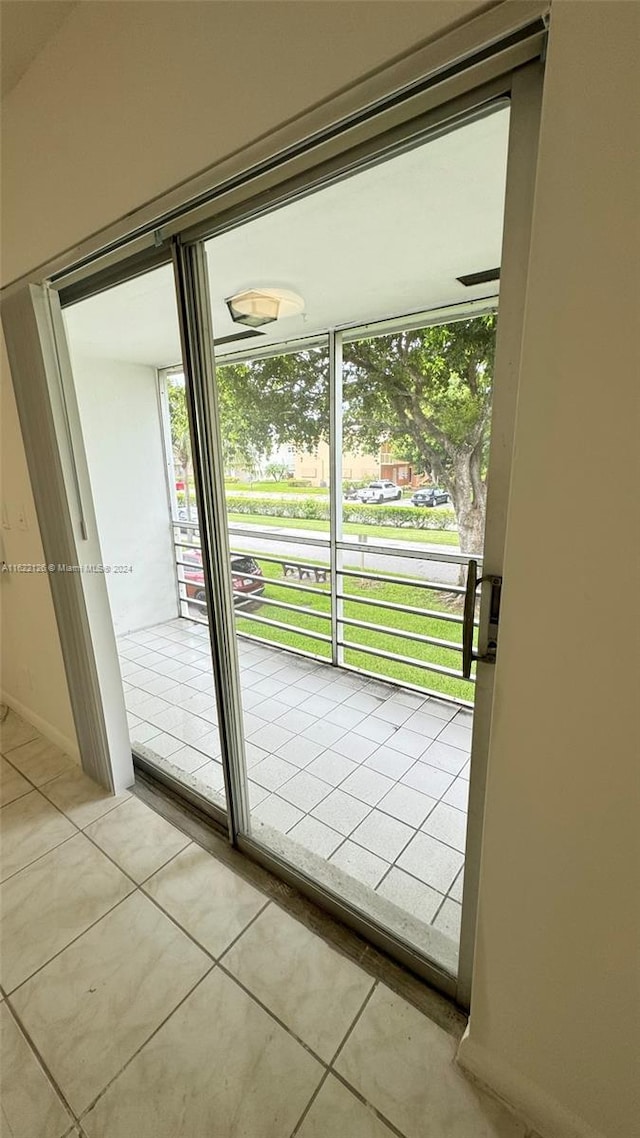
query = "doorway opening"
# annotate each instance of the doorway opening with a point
(355, 436)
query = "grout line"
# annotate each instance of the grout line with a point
(352, 1026)
(271, 793)
(6, 751)
(155, 1031)
(190, 842)
(437, 912)
(256, 999)
(64, 948)
(383, 1118)
(253, 920)
(191, 936)
(38, 785)
(41, 1061)
(420, 882)
(393, 689)
(374, 1110)
(384, 877)
(459, 876)
(17, 798)
(137, 887)
(38, 858)
(310, 1103)
(282, 901)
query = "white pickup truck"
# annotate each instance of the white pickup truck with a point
(380, 492)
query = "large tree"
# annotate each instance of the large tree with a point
(278, 400)
(425, 394)
(180, 437)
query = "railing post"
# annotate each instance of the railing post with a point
(335, 492)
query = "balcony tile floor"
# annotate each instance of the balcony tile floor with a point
(148, 989)
(362, 773)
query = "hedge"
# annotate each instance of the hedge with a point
(395, 517)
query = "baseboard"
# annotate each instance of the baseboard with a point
(69, 746)
(539, 1111)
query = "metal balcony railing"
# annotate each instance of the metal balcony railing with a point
(303, 575)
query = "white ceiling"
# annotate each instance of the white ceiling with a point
(26, 29)
(388, 241)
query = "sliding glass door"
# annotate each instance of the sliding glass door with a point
(289, 437)
(139, 447)
(353, 385)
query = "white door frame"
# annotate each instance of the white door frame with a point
(54, 447)
(526, 99)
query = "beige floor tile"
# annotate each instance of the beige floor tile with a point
(403, 1064)
(29, 828)
(14, 731)
(137, 839)
(80, 798)
(12, 784)
(220, 1066)
(91, 1008)
(29, 1104)
(40, 761)
(45, 906)
(211, 902)
(336, 1113)
(312, 988)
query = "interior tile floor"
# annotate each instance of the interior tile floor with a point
(149, 991)
(368, 776)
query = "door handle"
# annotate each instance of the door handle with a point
(473, 582)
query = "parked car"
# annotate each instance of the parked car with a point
(244, 587)
(185, 515)
(429, 496)
(380, 491)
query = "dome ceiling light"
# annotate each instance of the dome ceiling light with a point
(256, 306)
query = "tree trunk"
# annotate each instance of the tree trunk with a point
(468, 494)
(471, 529)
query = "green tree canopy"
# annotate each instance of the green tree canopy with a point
(279, 400)
(424, 393)
(427, 394)
(180, 435)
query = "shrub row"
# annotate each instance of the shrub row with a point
(395, 517)
(400, 517)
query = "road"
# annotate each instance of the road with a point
(265, 541)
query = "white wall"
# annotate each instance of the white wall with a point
(129, 99)
(552, 1017)
(123, 438)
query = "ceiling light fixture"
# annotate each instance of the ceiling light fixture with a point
(256, 306)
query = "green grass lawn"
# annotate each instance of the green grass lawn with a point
(359, 638)
(421, 536)
(275, 488)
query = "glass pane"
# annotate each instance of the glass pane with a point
(138, 444)
(275, 435)
(357, 719)
(417, 407)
